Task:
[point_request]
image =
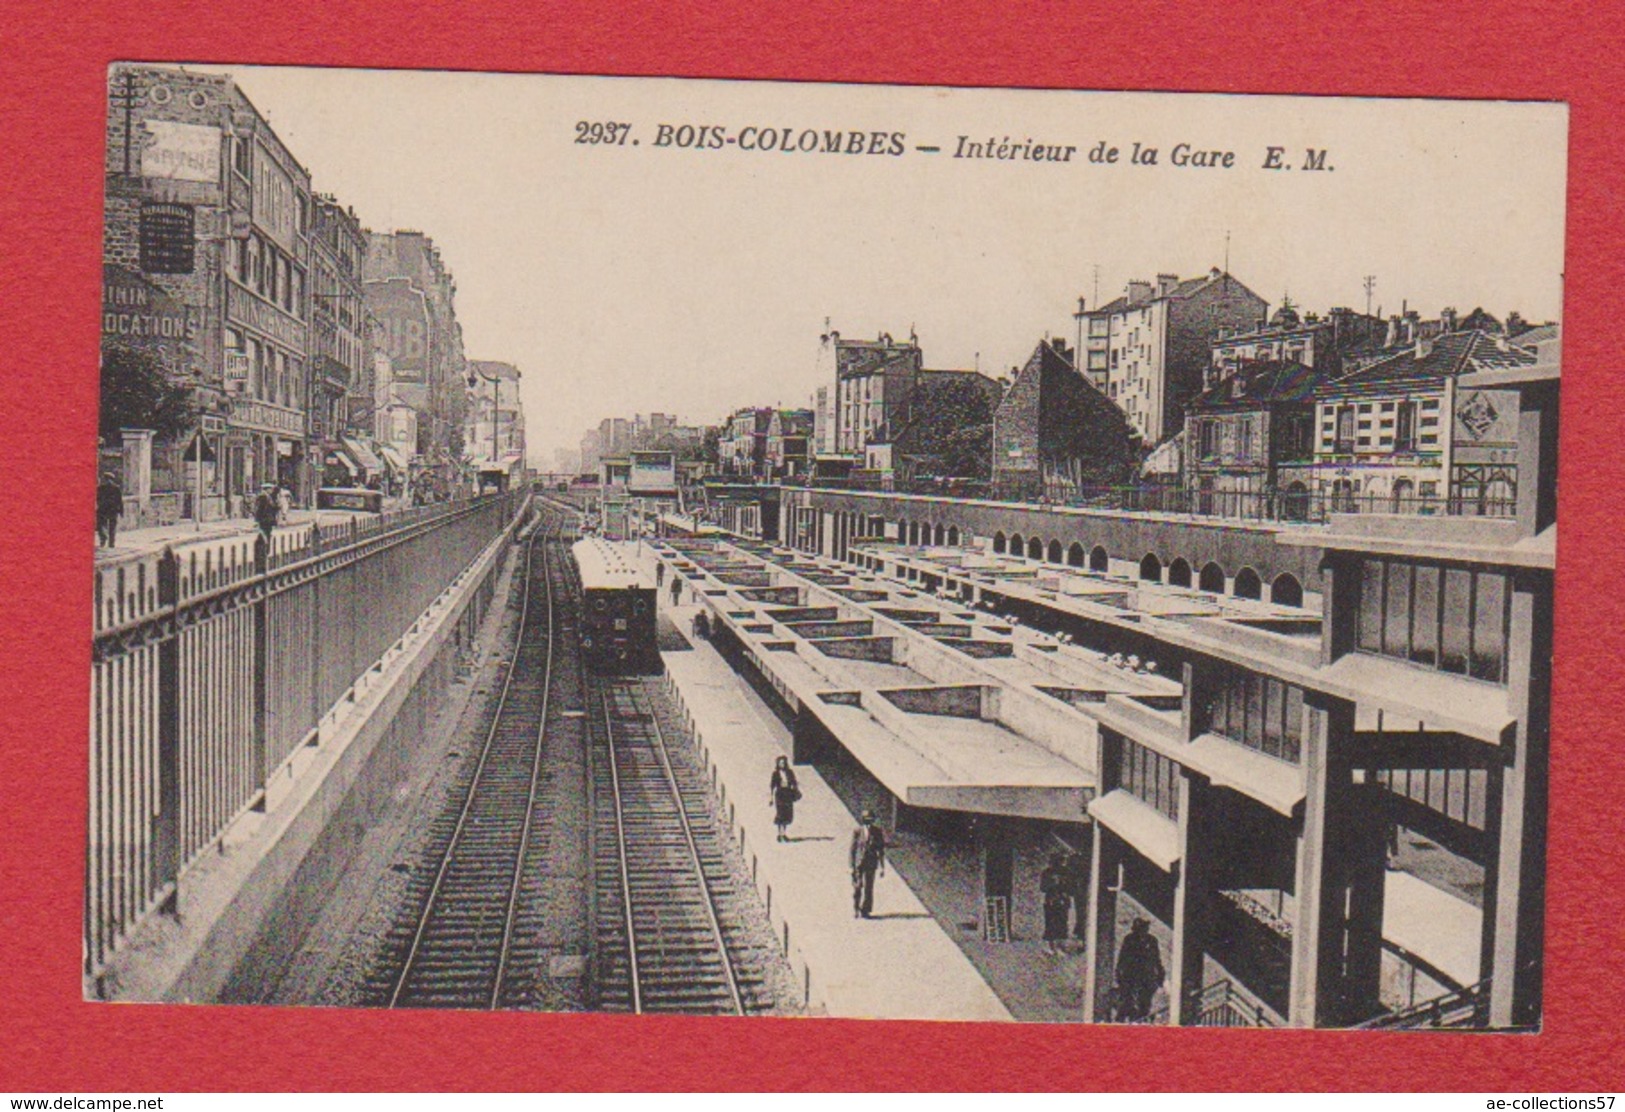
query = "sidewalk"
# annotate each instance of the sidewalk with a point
(142, 542)
(898, 965)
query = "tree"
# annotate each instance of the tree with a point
(137, 394)
(710, 446)
(950, 428)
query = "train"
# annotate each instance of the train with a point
(618, 634)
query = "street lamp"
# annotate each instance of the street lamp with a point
(474, 377)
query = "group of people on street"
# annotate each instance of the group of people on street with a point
(1064, 885)
(269, 509)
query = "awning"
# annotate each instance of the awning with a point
(362, 455)
(345, 460)
(1142, 826)
(394, 459)
(1274, 783)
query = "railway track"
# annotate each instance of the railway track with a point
(457, 948)
(669, 911)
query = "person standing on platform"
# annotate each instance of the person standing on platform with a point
(868, 858)
(109, 507)
(284, 503)
(784, 792)
(676, 589)
(1139, 973)
(1056, 888)
(266, 511)
(660, 573)
(1077, 883)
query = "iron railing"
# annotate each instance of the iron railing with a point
(1307, 507)
(213, 662)
(1220, 1004)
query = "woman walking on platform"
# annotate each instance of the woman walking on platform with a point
(784, 795)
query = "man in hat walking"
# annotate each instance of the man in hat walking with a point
(868, 857)
(109, 507)
(266, 510)
(1139, 973)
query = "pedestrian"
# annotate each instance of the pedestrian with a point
(660, 572)
(1139, 973)
(284, 503)
(702, 626)
(266, 510)
(783, 792)
(868, 857)
(676, 589)
(1077, 886)
(109, 507)
(1052, 883)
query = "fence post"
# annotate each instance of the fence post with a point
(262, 561)
(316, 706)
(166, 828)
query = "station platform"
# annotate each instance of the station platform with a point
(900, 964)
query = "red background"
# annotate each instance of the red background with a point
(51, 139)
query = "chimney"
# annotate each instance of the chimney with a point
(1448, 316)
(1392, 337)
(1166, 284)
(1139, 292)
(1424, 346)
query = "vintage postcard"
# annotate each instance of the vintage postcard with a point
(653, 545)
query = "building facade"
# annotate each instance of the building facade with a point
(788, 449)
(206, 249)
(1385, 433)
(1056, 431)
(340, 342)
(494, 430)
(1244, 433)
(873, 381)
(1309, 340)
(412, 292)
(1149, 350)
(742, 447)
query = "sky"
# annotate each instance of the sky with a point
(634, 277)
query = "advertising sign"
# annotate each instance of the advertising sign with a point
(136, 313)
(403, 314)
(181, 152)
(652, 473)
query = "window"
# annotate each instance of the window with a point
(1208, 439)
(1405, 434)
(1298, 443)
(1148, 776)
(1256, 711)
(239, 155)
(1450, 618)
(1344, 444)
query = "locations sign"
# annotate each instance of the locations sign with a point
(403, 314)
(136, 313)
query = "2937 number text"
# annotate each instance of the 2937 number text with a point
(610, 134)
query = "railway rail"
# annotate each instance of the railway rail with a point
(457, 949)
(669, 930)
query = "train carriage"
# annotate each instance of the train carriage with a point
(617, 608)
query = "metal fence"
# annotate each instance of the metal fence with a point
(212, 664)
(1313, 507)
